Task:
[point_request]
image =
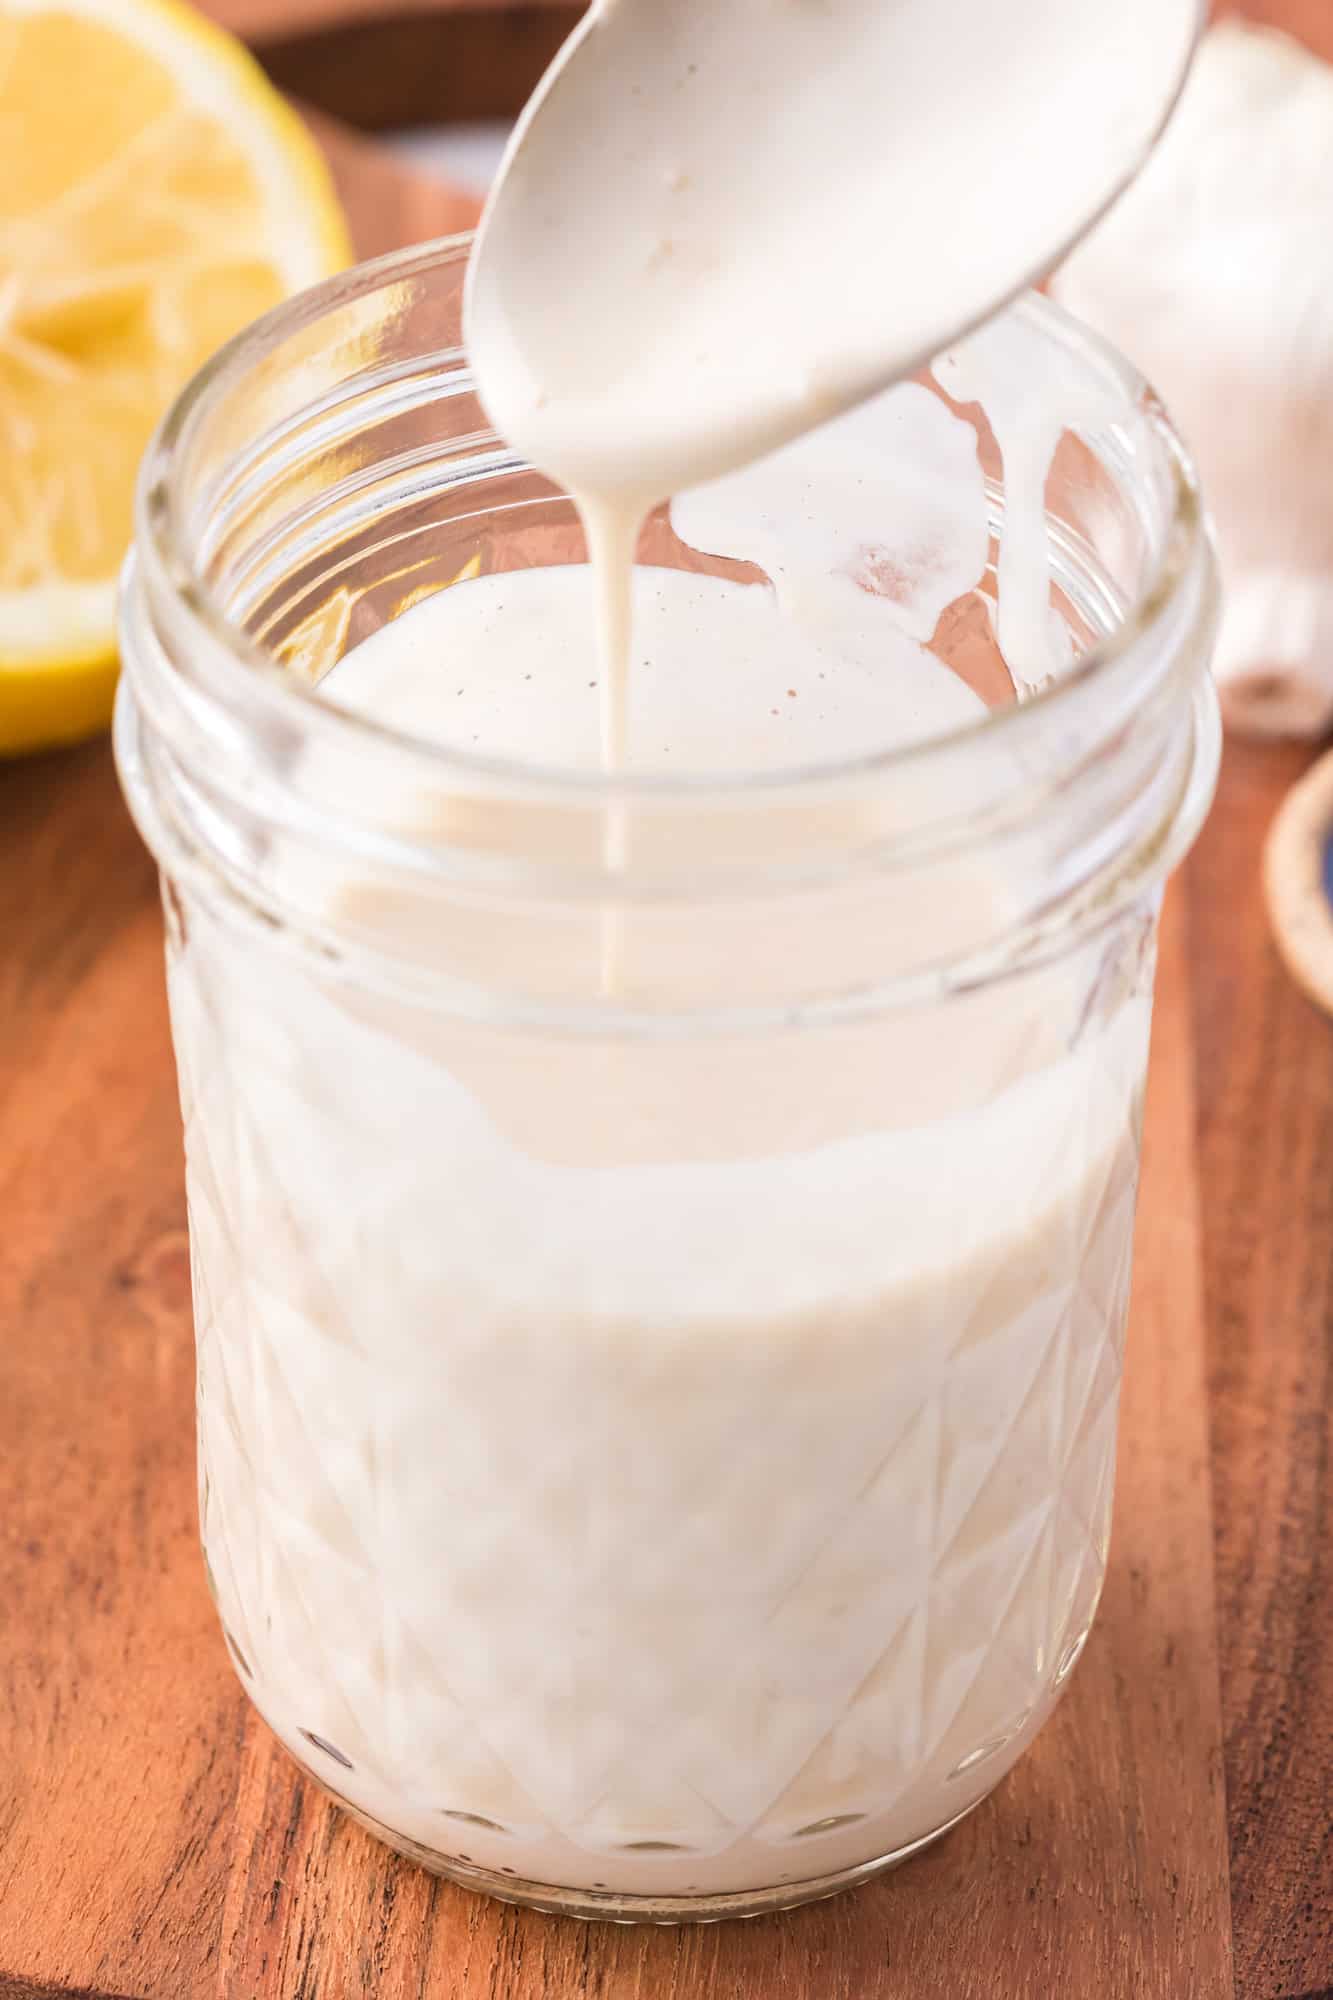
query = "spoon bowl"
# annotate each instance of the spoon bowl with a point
(720, 221)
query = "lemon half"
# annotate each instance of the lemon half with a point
(155, 194)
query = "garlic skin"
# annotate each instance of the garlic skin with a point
(1214, 273)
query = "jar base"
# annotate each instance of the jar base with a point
(614, 1907)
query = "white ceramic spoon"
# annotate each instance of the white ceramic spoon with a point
(719, 221)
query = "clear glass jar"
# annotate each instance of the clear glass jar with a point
(656, 1443)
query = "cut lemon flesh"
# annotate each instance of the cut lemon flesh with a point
(155, 194)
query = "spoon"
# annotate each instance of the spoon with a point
(720, 221)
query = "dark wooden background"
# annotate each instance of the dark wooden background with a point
(1169, 1835)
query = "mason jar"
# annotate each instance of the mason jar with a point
(656, 1432)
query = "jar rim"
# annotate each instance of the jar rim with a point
(162, 546)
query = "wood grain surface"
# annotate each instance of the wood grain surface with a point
(261, 20)
(1264, 1061)
(156, 1845)
(419, 67)
(380, 63)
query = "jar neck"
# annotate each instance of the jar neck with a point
(485, 890)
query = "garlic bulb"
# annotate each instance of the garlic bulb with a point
(1214, 273)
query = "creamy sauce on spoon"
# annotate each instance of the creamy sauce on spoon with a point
(719, 225)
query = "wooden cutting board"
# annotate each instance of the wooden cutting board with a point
(156, 1845)
(408, 61)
